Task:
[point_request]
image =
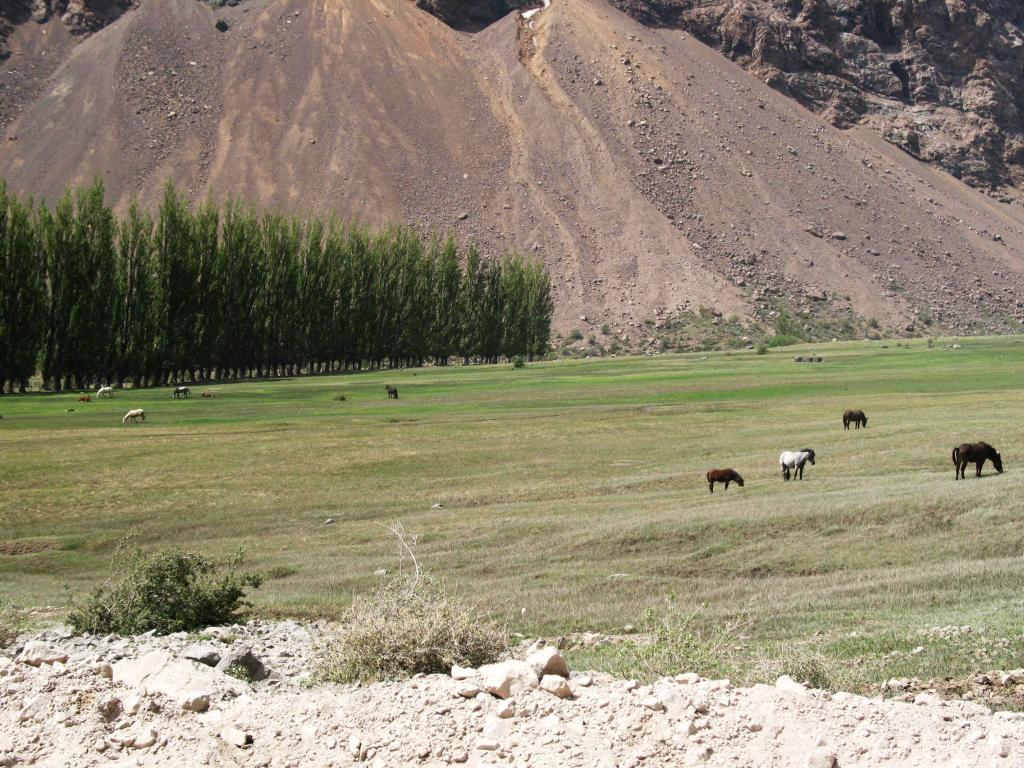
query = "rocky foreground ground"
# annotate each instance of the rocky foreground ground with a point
(241, 696)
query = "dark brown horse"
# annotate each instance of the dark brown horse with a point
(392, 392)
(855, 417)
(979, 453)
(723, 476)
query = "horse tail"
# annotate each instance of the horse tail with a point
(956, 455)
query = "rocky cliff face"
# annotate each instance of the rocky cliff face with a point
(942, 79)
(80, 16)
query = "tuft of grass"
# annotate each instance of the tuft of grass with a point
(167, 590)
(280, 572)
(671, 640)
(805, 665)
(408, 626)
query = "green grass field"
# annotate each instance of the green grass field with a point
(555, 477)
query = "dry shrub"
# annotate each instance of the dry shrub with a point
(407, 626)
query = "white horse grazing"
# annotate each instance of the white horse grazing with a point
(793, 461)
(181, 392)
(108, 391)
(134, 414)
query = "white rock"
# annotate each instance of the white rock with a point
(236, 736)
(103, 669)
(195, 701)
(505, 709)
(653, 703)
(33, 709)
(36, 653)
(109, 707)
(821, 757)
(584, 681)
(145, 738)
(687, 678)
(487, 745)
(557, 685)
(355, 741)
(495, 729)
(508, 677)
(551, 723)
(159, 672)
(548, 661)
(462, 673)
(467, 691)
(789, 685)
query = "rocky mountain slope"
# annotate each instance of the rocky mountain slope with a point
(85, 701)
(649, 172)
(942, 79)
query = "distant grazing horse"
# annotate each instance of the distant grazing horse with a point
(392, 392)
(181, 392)
(723, 476)
(979, 453)
(85, 399)
(134, 414)
(108, 391)
(855, 417)
(793, 462)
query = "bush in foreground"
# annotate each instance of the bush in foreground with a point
(167, 590)
(407, 626)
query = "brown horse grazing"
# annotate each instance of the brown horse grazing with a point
(723, 476)
(85, 399)
(392, 392)
(855, 417)
(979, 453)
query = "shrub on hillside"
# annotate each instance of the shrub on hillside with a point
(11, 624)
(167, 590)
(761, 349)
(518, 361)
(407, 626)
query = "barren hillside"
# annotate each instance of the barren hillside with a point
(648, 171)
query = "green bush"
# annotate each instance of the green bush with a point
(518, 361)
(407, 626)
(761, 349)
(167, 590)
(783, 341)
(11, 624)
(606, 329)
(575, 334)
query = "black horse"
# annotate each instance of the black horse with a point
(979, 453)
(392, 392)
(181, 392)
(855, 417)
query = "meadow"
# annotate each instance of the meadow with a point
(572, 494)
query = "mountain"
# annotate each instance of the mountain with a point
(942, 79)
(651, 173)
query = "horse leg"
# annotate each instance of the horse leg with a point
(727, 485)
(978, 464)
(711, 486)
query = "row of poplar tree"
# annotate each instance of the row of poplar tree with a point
(87, 297)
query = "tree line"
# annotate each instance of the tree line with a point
(229, 291)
